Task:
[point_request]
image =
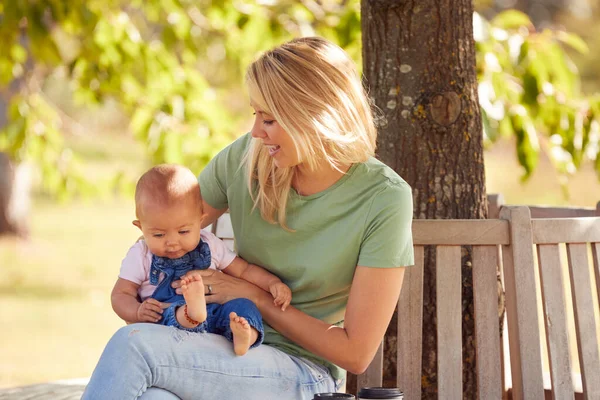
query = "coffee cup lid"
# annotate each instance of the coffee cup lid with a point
(333, 396)
(379, 393)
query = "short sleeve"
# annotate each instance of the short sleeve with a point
(133, 266)
(220, 254)
(216, 177)
(387, 241)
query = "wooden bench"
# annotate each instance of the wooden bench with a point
(508, 242)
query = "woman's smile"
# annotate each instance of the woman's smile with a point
(273, 149)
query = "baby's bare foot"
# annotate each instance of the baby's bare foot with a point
(243, 334)
(192, 289)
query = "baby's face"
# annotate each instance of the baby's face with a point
(171, 232)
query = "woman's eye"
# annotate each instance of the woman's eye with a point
(266, 121)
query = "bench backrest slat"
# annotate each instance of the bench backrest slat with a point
(487, 325)
(460, 232)
(553, 295)
(449, 321)
(410, 329)
(568, 230)
(521, 306)
(223, 229)
(596, 258)
(585, 322)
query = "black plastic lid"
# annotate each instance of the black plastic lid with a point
(379, 393)
(333, 396)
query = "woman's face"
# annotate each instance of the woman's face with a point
(278, 143)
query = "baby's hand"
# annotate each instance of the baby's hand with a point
(282, 294)
(149, 311)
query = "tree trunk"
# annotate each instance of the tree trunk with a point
(14, 199)
(419, 65)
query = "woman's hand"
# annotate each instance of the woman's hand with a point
(223, 287)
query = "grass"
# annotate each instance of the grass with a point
(54, 289)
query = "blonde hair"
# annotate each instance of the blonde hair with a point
(312, 89)
(166, 185)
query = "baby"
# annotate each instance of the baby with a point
(169, 214)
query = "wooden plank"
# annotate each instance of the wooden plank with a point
(596, 258)
(460, 232)
(223, 229)
(449, 321)
(410, 329)
(58, 390)
(373, 376)
(553, 295)
(566, 230)
(585, 322)
(495, 202)
(487, 326)
(521, 306)
(561, 212)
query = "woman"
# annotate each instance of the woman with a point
(309, 203)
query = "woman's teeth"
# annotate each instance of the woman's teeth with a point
(273, 149)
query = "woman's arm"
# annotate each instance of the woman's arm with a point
(373, 298)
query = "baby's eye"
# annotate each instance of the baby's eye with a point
(157, 235)
(184, 232)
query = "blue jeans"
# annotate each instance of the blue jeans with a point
(217, 318)
(199, 366)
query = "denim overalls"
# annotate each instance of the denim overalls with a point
(217, 320)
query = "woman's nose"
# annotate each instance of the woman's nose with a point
(257, 131)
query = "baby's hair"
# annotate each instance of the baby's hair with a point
(166, 185)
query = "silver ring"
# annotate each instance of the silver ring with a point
(209, 289)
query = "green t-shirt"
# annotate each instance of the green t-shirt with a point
(363, 219)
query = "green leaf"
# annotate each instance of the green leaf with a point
(18, 53)
(573, 41)
(511, 19)
(527, 145)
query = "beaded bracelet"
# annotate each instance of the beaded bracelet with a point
(187, 317)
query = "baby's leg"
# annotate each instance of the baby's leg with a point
(193, 292)
(244, 335)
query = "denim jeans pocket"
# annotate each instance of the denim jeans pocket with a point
(318, 372)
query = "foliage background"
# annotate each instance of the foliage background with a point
(96, 91)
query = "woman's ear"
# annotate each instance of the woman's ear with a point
(137, 223)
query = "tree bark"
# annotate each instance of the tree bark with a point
(419, 66)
